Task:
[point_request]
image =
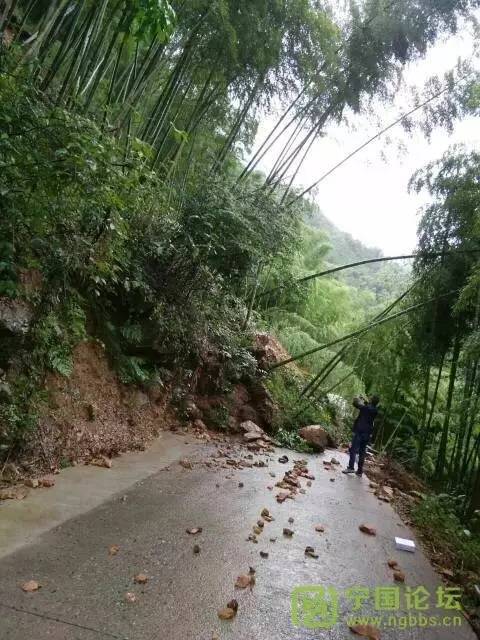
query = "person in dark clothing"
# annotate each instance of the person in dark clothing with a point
(362, 431)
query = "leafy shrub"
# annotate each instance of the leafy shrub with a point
(217, 417)
(18, 413)
(133, 370)
(295, 412)
(55, 335)
(438, 516)
(292, 440)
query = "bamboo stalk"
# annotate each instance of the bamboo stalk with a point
(442, 450)
(252, 297)
(380, 133)
(327, 272)
(373, 325)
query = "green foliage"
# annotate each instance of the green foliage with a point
(438, 517)
(8, 276)
(153, 18)
(217, 417)
(291, 440)
(285, 388)
(54, 337)
(308, 315)
(18, 416)
(132, 370)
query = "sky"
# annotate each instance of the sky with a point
(368, 196)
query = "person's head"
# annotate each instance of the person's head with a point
(374, 400)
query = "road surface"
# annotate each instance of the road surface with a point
(83, 587)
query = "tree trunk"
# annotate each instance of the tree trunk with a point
(475, 499)
(423, 424)
(471, 424)
(470, 375)
(442, 450)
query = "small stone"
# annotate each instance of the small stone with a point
(291, 520)
(264, 554)
(31, 482)
(399, 576)
(14, 493)
(30, 586)
(365, 528)
(194, 531)
(196, 548)
(287, 532)
(240, 485)
(91, 412)
(47, 481)
(233, 604)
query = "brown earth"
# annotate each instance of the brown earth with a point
(91, 413)
(268, 351)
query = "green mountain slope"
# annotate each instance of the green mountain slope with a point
(383, 279)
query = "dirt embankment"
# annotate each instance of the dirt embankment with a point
(91, 414)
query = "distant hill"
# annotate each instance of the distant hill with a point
(382, 278)
(345, 248)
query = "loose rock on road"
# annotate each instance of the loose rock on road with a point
(164, 583)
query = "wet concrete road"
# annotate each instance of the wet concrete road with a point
(83, 588)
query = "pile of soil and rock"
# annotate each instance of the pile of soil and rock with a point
(90, 417)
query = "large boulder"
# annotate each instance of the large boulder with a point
(247, 414)
(264, 404)
(15, 316)
(248, 426)
(250, 436)
(317, 437)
